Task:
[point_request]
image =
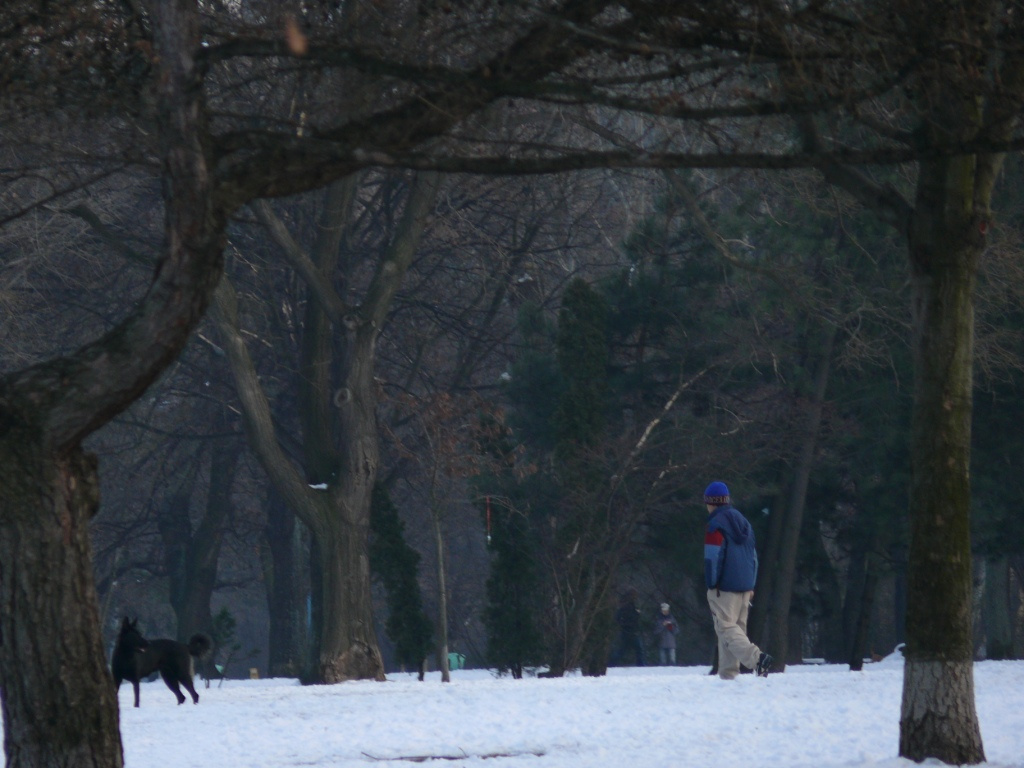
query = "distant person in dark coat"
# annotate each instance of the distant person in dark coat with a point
(628, 618)
(730, 571)
(665, 630)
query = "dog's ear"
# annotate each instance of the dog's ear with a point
(125, 624)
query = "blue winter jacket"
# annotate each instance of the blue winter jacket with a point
(730, 555)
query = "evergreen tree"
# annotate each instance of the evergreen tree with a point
(513, 591)
(582, 547)
(397, 564)
(547, 593)
(582, 356)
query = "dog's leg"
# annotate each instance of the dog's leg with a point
(172, 683)
(187, 682)
(135, 685)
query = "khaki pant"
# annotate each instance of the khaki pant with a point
(729, 610)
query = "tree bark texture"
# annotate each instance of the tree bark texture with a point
(938, 715)
(348, 642)
(59, 707)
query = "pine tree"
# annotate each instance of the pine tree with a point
(397, 564)
(582, 355)
(581, 536)
(513, 592)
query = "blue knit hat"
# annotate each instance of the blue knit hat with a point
(717, 494)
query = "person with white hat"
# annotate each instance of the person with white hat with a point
(665, 630)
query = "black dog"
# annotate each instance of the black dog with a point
(136, 658)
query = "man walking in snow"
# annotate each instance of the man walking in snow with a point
(730, 571)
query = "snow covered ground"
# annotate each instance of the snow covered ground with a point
(813, 716)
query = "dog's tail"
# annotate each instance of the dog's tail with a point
(199, 645)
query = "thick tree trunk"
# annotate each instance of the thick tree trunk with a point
(946, 229)
(59, 707)
(356, 450)
(58, 700)
(348, 642)
(938, 713)
(341, 444)
(938, 716)
(337, 515)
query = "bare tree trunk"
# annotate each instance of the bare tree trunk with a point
(201, 549)
(442, 597)
(341, 443)
(853, 602)
(859, 646)
(175, 527)
(979, 579)
(51, 654)
(597, 622)
(285, 607)
(996, 610)
(945, 229)
(786, 573)
(348, 643)
(1017, 604)
(764, 598)
(938, 716)
(347, 640)
(929, 723)
(59, 707)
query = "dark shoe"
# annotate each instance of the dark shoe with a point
(764, 665)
